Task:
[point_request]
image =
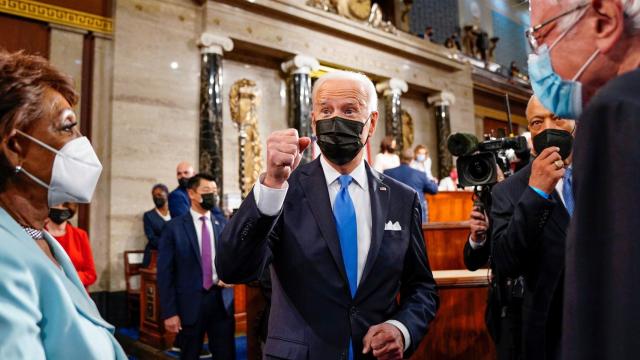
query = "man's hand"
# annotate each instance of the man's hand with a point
(385, 340)
(172, 324)
(479, 224)
(545, 172)
(222, 284)
(284, 151)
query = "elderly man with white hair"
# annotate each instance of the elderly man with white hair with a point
(588, 53)
(343, 240)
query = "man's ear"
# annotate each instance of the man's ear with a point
(11, 148)
(609, 24)
(373, 122)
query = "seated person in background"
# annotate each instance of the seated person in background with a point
(74, 241)
(415, 179)
(386, 158)
(179, 203)
(154, 220)
(422, 161)
(450, 183)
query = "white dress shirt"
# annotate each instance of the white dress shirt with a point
(198, 225)
(269, 202)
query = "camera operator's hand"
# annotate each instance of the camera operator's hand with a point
(545, 171)
(478, 223)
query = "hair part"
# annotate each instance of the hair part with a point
(370, 88)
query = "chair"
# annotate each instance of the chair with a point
(132, 265)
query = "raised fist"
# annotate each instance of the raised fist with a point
(284, 151)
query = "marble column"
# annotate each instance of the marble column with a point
(212, 47)
(441, 103)
(391, 91)
(299, 95)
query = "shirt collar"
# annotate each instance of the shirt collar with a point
(196, 215)
(359, 174)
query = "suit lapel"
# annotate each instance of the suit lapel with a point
(190, 230)
(314, 185)
(73, 285)
(379, 194)
(560, 217)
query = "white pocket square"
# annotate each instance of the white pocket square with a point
(392, 226)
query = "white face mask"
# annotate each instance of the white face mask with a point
(75, 173)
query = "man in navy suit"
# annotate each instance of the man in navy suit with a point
(179, 202)
(344, 241)
(415, 179)
(193, 300)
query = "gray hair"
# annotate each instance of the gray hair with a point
(631, 10)
(372, 101)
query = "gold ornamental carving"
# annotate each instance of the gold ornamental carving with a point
(407, 129)
(244, 99)
(57, 15)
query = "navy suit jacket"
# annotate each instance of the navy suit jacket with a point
(153, 225)
(416, 180)
(179, 202)
(529, 238)
(313, 315)
(180, 270)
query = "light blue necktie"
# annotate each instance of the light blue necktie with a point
(567, 190)
(345, 216)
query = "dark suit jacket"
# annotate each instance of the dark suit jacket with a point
(602, 313)
(528, 237)
(312, 313)
(179, 202)
(475, 259)
(180, 270)
(416, 180)
(153, 225)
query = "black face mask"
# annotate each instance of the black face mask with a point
(208, 201)
(554, 137)
(339, 139)
(159, 201)
(183, 182)
(59, 216)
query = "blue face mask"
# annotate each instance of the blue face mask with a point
(561, 97)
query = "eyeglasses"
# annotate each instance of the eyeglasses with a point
(530, 33)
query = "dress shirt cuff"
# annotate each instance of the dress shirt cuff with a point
(540, 192)
(269, 200)
(476, 245)
(403, 329)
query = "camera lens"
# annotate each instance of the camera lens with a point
(479, 170)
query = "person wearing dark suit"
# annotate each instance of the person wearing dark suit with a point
(415, 179)
(154, 221)
(193, 300)
(530, 215)
(344, 240)
(179, 202)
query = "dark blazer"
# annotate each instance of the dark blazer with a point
(153, 225)
(312, 313)
(179, 202)
(415, 179)
(529, 234)
(475, 259)
(180, 270)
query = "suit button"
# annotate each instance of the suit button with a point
(354, 311)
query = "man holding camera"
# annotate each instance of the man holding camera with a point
(530, 214)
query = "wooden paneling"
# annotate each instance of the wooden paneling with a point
(449, 206)
(445, 243)
(23, 34)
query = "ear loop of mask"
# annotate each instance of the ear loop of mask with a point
(584, 67)
(19, 168)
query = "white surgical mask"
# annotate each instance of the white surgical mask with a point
(75, 173)
(421, 157)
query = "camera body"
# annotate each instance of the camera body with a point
(478, 162)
